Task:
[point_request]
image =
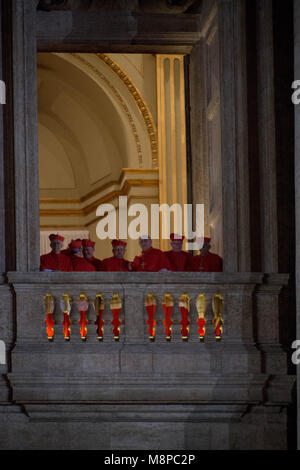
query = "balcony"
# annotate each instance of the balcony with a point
(136, 366)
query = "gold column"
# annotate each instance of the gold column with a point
(171, 132)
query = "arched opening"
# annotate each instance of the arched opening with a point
(97, 139)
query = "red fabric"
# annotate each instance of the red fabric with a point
(83, 324)
(151, 321)
(67, 325)
(75, 244)
(152, 260)
(81, 264)
(184, 322)
(176, 238)
(56, 237)
(115, 265)
(97, 263)
(118, 243)
(208, 263)
(201, 323)
(66, 252)
(56, 262)
(180, 260)
(116, 322)
(88, 243)
(168, 320)
(50, 323)
(218, 328)
(100, 323)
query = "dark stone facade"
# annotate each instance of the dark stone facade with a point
(237, 394)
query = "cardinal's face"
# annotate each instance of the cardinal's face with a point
(205, 249)
(76, 251)
(177, 245)
(119, 251)
(145, 244)
(88, 251)
(56, 246)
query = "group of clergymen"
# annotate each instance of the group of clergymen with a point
(79, 256)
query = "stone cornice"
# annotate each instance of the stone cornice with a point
(93, 31)
(232, 280)
(159, 6)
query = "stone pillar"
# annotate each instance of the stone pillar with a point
(2, 203)
(267, 136)
(297, 180)
(171, 132)
(199, 159)
(25, 134)
(206, 128)
(234, 128)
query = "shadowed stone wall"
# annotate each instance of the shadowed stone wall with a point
(135, 394)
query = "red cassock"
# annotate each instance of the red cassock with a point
(180, 260)
(66, 252)
(115, 265)
(208, 263)
(56, 262)
(152, 260)
(97, 263)
(81, 264)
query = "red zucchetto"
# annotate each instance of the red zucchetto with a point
(75, 244)
(88, 243)
(118, 243)
(53, 237)
(176, 238)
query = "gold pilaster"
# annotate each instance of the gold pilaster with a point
(171, 133)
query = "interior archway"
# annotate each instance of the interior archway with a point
(97, 138)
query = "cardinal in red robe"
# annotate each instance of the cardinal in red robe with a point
(206, 261)
(151, 259)
(56, 261)
(116, 263)
(179, 260)
(88, 248)
(79, 263)
(69, 251)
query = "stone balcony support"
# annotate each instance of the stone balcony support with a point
(135, 369)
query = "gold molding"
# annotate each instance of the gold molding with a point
(61, 212)
(140, 171)
(96, 191)
(119, 97)
(113, 194)
(141, 104)
(62, 227)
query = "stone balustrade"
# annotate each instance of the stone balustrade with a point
(173, 367)
(234, 290)
(166, 317)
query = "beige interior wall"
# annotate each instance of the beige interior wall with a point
(94, 115)
(98, 138)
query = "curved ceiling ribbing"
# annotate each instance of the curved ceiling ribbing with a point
(83, 126)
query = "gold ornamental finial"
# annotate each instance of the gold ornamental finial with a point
(49, 303)
(99, 303)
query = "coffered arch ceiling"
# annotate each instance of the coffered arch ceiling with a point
(91, 125)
